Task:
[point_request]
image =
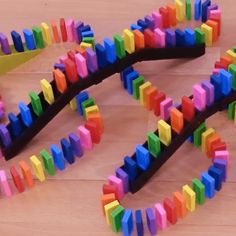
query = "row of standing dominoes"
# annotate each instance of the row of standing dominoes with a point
(88, 134)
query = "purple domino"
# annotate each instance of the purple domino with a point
(4, 44)
(170, 38)
(151, 221)
(92, 62)
(121, 174)
(76, 145)
(210, 8)
(210, 91)
(77, 26)
(222, 165)
(150, 21)
(199, 97)
(164, 108)
(1, 114)
(5, 136)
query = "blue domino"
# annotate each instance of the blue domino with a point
(77, 28)
(190, 138)
(25, 114)
(217, 174)
(123, 75)
(5, 136)
(180, 38)
(81, 97)
(226, 80)
(17, 41)
(142, 24)
(139, 223)
(150, 21)
(67, 151)
(129, 80)
(101, 56)
(170, 38)
(142, 157)
(197, 9)
(110, 50)
(130, 167)
(29, 39)
(205, 5)
(76, 145)
(92, 62)
(60, 66)
(209, 184)
(15, 125)
(121, 174)
(127, 222)
(84, 28)
(217, 83)
(87, 34)
(151, 221)
(189, 37)
(222, 165)
(136, 27)
(57, 157)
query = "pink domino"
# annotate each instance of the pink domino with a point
(161, 217)
(216, 71)
(160, 38)
(62, 59)
(70, 24)
(4, 184)
(199, 97)
(224, 155)
(113, 180)
(85, 138)
(81, 65)
(215, 14)
(164, 108)
(1, 105)
(157, 19)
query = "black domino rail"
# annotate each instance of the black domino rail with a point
(61, 100)
(177, 141)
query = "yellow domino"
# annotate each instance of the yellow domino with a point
(109, 208)
(38, 168)
(129, 41)
(205, 136)
(179, 10)
(164, 131)
(142, 91)
(232, 55)
(208, 34)
(91, 109)
(190, 197)
(47, 91)
(73, 104)
(84, 45)
(46, 33)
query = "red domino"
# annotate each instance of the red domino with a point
(17, 179)
(71, 55)
(71, 71)
(149, 38)
(165, 17)
(157, 101)
(63, 30)
(188, 109)
(94, 131)
(107, 188)
(171, 212)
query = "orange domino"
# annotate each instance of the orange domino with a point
(177, 120)
(172, 14)
(213, 139)
(139, 39)
(26, 174)
(80, 50)
(55, 32)
(150, 95)
(96, 117)
(180, 204)
(214, 25)
(107, 198)
(226, 60)
(60, 80)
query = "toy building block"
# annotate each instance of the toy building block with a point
(107, 198)
(38, 37)
(121, 174)
(76, 145)
(165, 105)
(70, 30)
(25, 114)
(47, 91)
(38, 168)
(218, 175)
(199, 189)
(130, 167)
(199, 97)
(180, 203)
(190, 197)
(142, 157)
(209, 183)
(129, 41)
(48, 162)
(67, 151)
(205, 135)
(56, 36)
(4, 184)
(116, 217)
(161, 216)
(85, 138)
(25, 169)
(29, 39)
(177, 120)
(164, 131)
(60, 80)
(17, 179)
(71, 70)
(208, 34)
(170, 209)
(179, 10)
(113, 180)
(139, 223)
(18, 44)
(109, 208)
(36, 103)
(127, 222)
(81, 65)
(46, 33)
(151, 221)
(154, 144)
(58, 157)
(197, 9)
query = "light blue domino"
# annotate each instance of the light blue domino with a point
(110, 50)
(25, 114)
(127, 223)
(142, 157)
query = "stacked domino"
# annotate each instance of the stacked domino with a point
(74, 146)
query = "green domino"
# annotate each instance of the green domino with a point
(116, 217)
(87, 103)
(120, 46)
(36, 103)
(89, 40)
(197, 135)
(200, 36)
(38, 37)
(231, 110)
(188, 9)
(234, 49)
(199, 189)
(48, 162)
(232, 70)
(136, 84)
(154, 144)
